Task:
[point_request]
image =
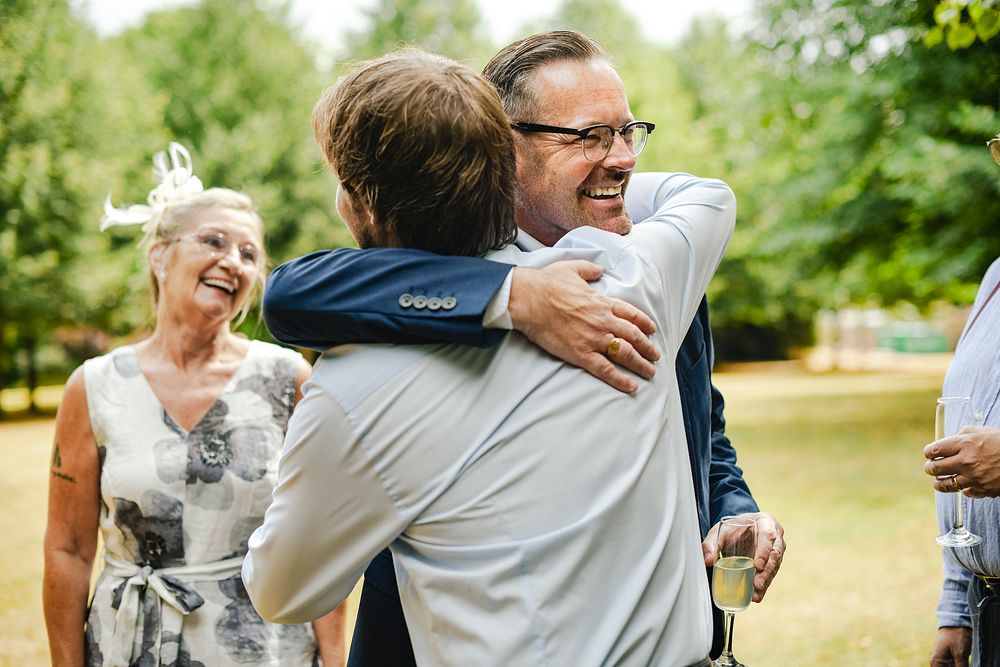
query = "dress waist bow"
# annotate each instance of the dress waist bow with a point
(171, 584)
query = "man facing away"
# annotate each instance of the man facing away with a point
(521, 537)
(334, 297)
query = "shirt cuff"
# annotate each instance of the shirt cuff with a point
(497, 315)
(953, 606)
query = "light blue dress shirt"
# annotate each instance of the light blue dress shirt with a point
(975, 372)
(536, 516)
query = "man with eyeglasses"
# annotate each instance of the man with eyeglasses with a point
(576, 153)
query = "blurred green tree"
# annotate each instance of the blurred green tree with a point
(892, 192)
(240, 83)
(450, 27)
(857, 157)
(960, 22)
(73, 119)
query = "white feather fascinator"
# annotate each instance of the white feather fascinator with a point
(175, 180)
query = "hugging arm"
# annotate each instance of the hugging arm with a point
(333, 297)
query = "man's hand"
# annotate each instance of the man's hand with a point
(559, 312)
(969, 461)
(770, 550)
(952, 647)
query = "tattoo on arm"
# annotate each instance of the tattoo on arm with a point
(57, 464)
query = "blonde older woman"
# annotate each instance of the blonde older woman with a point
(169, 448)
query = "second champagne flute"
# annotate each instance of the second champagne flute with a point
(953, 412)
(732, 575)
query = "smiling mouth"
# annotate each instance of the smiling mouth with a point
(603, 193)
(223, 285)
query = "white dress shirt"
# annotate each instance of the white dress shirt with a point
(536, 515)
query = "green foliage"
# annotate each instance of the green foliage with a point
(852, 132)
(67, 133)
(960, 22)
(857, 157)
(450, 27)
(239, 88)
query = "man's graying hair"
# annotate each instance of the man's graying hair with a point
(510, 71)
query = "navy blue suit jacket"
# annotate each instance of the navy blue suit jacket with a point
(332, 297)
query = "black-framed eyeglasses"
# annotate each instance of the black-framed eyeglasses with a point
(597, 139)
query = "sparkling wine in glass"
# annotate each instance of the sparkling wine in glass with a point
(732, 575)
(954, 412)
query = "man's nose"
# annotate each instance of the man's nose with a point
(619, 157)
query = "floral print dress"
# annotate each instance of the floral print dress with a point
(177, 509)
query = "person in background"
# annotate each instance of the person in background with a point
(395, 295)
(169, 448)
(969, 463)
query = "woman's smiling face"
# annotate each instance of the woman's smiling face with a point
(213, 264)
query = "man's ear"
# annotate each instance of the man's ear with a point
(375, 219)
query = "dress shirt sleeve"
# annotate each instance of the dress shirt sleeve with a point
(684, 237)
(953, 605)
(329, 516)
(333, 297)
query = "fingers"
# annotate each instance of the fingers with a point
(598, 365)
(762, 580)
(626, 311)
(710, 548)
(625, 355)
(586, 270)
(634, 336)
(950, 484)
(944, 447)
(769, 553)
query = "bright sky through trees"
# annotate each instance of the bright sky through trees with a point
(662, 20)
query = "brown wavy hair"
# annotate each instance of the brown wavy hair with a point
(423, 142)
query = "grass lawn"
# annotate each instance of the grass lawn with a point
(836, 457)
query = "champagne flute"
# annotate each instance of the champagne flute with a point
(732, 575)
(953, 412)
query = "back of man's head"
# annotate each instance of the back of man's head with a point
(510, 71)
(422, 142)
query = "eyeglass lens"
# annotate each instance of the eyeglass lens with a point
(217, 244)
(597, 144)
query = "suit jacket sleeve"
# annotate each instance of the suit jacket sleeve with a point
(727, 491)
(332, 297)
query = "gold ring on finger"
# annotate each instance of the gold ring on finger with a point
(955, 484)
(614, 347)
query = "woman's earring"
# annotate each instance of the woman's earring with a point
(162, 275)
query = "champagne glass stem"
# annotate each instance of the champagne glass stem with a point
(727, 651)
(958, 524)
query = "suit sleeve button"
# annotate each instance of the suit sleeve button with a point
(419, 302)
(433, 303)
(449, 302)
(406, 300)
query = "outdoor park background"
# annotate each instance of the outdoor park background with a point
(852, 131)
